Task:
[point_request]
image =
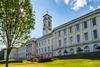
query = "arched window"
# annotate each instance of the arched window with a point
(65, 52)
(96, 47)
(86, 49)
(71, 50)
(79, 50)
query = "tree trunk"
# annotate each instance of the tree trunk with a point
(7, 58)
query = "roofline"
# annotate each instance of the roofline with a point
(77, 19)
(50, 34)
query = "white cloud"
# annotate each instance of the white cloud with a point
(77, 4)
(92, 8)
(99, 6)
(66, 1)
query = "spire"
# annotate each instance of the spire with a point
(47, 11)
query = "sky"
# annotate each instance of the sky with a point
(61, 11)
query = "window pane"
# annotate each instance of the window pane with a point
(71, 40)
(59, 42)
(95, 34)
(86, 36)
(78, 38)
(65, 41)
(70, 29)
(65, 31)
(85, 24)
(77, 27)
(59, 33)
(94, 21)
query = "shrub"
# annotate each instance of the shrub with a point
(11, 61)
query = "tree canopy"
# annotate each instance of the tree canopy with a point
(16, 20)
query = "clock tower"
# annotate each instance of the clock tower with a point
(47, 25)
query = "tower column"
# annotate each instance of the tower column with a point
(47, 26)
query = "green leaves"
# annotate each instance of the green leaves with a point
(17, 20)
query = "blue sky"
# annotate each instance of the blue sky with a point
(61, 11)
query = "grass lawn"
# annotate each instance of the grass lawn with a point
(60, 63)
(74, 63)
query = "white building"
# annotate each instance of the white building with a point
(77, 36)
(13, 54)
(25, 51)
(22, 52)
(31, 48)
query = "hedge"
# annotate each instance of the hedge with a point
(90, 55)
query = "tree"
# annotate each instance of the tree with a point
(16, 22)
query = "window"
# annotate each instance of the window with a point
(85, 24)
(65, 41)
(42, 49)
(65, 31)
(49, 24)
(39, 50)
(65, 52)
(94, 47)
(78, 38)
(71, 40)
(94, 21)
(45, 49)
(52, 47)
(42, 43)
(79, 50)
(95, 34)
(70, 30)
(86, 36)
(48, 41)
(59, 33)
(59, 42)
(48, 48)
(71, 50)
(77, 27)
(86, 49)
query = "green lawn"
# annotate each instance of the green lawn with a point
(60, 63)
(74, 63)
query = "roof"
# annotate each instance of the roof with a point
(46, 15)
(79, 18)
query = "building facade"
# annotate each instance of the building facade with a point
(77, 36)
(25, 51)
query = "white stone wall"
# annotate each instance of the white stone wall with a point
(81, 33)
(13, 54)
(22, 52)
(30, 49)
(45, 46)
